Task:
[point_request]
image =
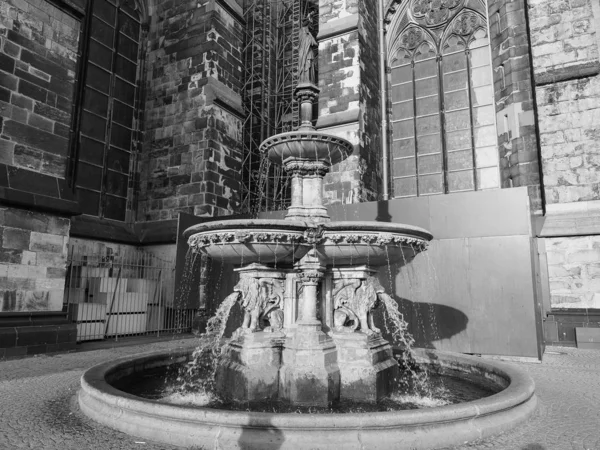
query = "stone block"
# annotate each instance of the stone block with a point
(249, 368)
(584, 256)
(44, 242)
(368, 369)
(310, 374)
(17, 239)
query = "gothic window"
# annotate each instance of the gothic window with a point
(442, 101)
(106, 125)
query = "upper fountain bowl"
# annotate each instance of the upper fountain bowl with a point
(250, 241)
(306, 145)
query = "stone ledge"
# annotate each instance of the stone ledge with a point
(337, 119)
(36, 191)
(557, 75)
(32, 318)
(36, 202)
(141, 233)
(233, 9)
(220, 95)
(571, 219)
(338, 26)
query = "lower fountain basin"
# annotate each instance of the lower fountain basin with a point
(372, 243)
(250, 241)
(212, 428)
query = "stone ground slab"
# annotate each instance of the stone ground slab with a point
(38, 408)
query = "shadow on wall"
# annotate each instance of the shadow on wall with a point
(428, 322)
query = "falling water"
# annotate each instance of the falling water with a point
(195, 382)
(184, 289)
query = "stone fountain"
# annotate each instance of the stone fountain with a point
(308, 289)
(308, 286)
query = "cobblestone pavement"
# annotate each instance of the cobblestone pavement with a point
(38, 409)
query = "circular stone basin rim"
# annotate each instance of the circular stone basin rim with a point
(520, 390)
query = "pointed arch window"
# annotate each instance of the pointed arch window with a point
(106, 126)
(442, 100)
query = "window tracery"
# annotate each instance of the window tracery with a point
(442, 101)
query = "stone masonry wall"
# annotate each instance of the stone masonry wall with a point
(192, 153)
(349, 81)
(514, 95)
(566, 63)
(33, 257)
(37, 73)
(574, 271)
(570, 130)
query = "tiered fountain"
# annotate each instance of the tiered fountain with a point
(308, 288)
(307, 285)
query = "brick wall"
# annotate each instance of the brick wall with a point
(349, 81)
(565, 49)
(574, 271)
(33, 257)
(192, 153)
(37, 74)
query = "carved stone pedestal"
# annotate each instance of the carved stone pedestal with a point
(249, 367)
(310, 374)
(367, 366)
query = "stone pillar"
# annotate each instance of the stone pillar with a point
(349, 102)
(192, 154)
(515, 96)
(310, 374)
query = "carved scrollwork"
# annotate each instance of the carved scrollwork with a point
(199, 241)
(379, 239)
(262, 302)
(312, 276)
(354, 300)
(306, 168)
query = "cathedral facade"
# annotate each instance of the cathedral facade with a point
(477, 120)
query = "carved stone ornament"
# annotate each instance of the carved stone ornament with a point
(244, 237)
(310, 276)
(354, 300)
(379, 239)
(466, 23)
(262, 302)
(433, 12)
(308, 94)
(307, 52)
(411, 38)
(306, 168)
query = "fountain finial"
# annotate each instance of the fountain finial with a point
(306, 91)
(306, 52)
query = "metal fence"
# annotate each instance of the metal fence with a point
(118, 291)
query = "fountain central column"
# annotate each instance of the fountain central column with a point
(310, 374)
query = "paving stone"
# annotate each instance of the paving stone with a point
(39, 408)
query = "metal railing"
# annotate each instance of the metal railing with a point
(118, 291)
